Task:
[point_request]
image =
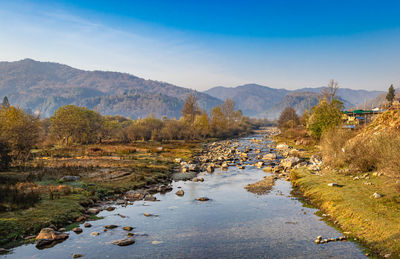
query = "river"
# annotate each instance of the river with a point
(234, 223)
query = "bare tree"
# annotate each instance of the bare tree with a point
(228, 109)
(330, 91)
(191, 108)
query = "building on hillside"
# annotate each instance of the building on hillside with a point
(356, 118)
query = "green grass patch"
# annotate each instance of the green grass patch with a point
(17, 224)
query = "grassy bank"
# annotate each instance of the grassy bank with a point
(374, 222)
(104, 170)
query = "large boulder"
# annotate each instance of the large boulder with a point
(290, 162)
(49, 236)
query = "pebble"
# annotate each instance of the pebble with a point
(147, 214)
(77, 255)
(95, 233)
(127, 228)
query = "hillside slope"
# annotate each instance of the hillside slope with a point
(45, 86)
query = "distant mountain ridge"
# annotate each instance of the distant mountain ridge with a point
(45, 86)
(263, 101)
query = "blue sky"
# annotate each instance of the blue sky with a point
(201, 44)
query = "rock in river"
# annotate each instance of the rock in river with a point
(77, 230)
(124, 242)
(180, 193)
(203, 199)
(48, 236)
(127, 228)
(111, 226)
(93, 210)
(87, 225)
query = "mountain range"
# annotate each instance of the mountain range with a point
(265, 102)
(45, 86)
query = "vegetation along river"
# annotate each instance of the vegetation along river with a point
(234, 223)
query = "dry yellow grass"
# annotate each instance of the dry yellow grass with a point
(375, 222)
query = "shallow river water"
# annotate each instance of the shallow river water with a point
(233, 224)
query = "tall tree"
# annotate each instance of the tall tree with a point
(5, 102)
(390, 95)
(19, 131)
(329, 92)
(219, 123)
(76, 124)
(190, 108)
(228, 109)
(324, 116)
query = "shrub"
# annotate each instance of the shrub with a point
(288, 119)
(325, 115)
(332, 146)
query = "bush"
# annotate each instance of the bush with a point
(325, 115)
(339, 148)
(288, 119)
(387, 148)
(332, 146)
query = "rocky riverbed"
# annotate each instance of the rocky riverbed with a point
(206, 212)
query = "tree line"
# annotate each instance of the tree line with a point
(70, 125)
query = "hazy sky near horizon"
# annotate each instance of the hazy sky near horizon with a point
(201, 44)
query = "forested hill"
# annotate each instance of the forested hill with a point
(45, 86)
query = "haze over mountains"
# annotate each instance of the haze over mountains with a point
(262, 101)
(45, 86)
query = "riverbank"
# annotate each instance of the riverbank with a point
(365, 206)
(67, 181)
(213, 215)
